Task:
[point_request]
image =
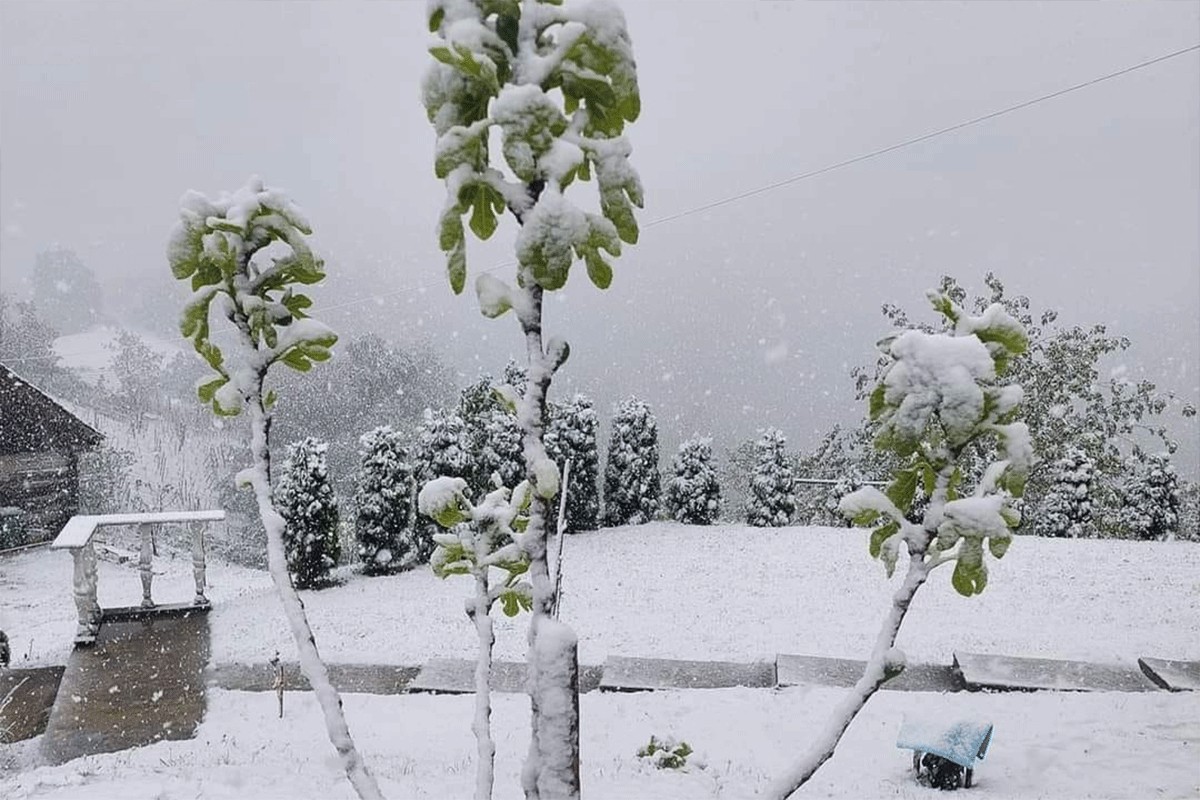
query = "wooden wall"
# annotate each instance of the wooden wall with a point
(44, 485)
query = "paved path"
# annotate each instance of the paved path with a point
(142, 681)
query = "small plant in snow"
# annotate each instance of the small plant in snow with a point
(304, 497)
(693, 496)
(549, 86)
(632, 483)
(666, 753)
(247, 253)
(480, 539)
(772, 483)
(383, 527)
(938, 394)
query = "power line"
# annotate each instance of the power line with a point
(918, 139)
(781, 183)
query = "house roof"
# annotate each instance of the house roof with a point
(33, 421)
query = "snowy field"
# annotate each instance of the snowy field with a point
(644, 592)
(660, 590)
(1128, 746)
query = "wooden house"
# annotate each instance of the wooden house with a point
(40, 443)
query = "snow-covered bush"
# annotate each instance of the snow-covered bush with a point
(571, 437)
(772, 500)
(1150, 496)
(443, 449)
(549, 87)
(1066, 507)
(1189, 511)
(666, 753)
(693, 495)
(632, 482)
(493, 438)
(304, 497)
(248, 252)
(938, 394)
(383, 525)
(844, 485)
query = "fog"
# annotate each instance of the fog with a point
(727, 320)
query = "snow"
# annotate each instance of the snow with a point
(1077, 745)
(935, 371)
(89, 354)
(814, 591)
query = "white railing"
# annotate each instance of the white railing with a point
(76, 536)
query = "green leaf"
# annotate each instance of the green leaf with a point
(435, 19)
(877, 404)
(969, 579)
(903, 488)
(880, 535)
(270, 399)
(865, 518)
(206, 391)
(999, 546)
(598, 270)
(456, 266)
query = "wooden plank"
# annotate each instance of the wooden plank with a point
(1175, 676)
(980, 671)
(642, 674)
(457, 676)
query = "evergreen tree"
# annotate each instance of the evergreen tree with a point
(1066, 508)
(772, 483)
(304, 497)
(693, 496)
(493, 438)
(631, 478)
(442, 451)
(571, 436)
(383, 527)
(1151, 498)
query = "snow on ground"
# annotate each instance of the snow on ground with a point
(673, 591)
(89, 354)
(736, 593)
(666, 590)
(1103, 745)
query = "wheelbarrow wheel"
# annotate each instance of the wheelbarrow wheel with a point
(967, 778)
(917, 763)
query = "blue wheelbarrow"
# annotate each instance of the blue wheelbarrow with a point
(944, 755)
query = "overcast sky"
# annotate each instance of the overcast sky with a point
(747, 315)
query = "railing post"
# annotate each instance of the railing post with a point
(85, 593)
(198, 563)
(144, 563)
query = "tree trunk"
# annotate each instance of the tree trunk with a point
(874, 676)
(486, 746)
(311, 665)
(551, 770)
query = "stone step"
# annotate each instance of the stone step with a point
(26, 696)
(1176, 676)
(140, 682)
(982, 671)
(644, 674)
(793, 670)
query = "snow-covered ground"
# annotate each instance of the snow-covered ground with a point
(420, 746)
(673, 591)
(666, 590)
(89, 353)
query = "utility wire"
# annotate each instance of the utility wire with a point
(786, 181)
